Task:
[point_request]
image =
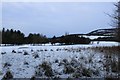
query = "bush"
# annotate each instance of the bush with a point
(56, 61)
(26, 63)
(65, 61)
(86, 72)
(77, 75)
(39, 72)
(32, 78)
(7, 65)
(3, 52)
(13, 51)
(69, 69)
(47, 68)
(51, 49)
(36, 56)
(7, 76)
(25, 53)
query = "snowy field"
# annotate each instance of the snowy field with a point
(66, 61)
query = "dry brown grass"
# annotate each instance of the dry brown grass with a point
(107, 49)
(111, 59)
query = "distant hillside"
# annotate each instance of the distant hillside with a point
(103, 32)
(99, 35)
(98, 32)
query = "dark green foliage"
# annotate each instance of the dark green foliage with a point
(36, 39)
(12, 37)
(17, 37)
(70, 39)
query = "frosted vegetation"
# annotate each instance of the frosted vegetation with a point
(68, 61)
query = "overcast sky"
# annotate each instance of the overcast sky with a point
(56, 18)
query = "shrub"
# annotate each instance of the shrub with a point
(49, 72)
(26, 63)
(36, 56)
(96, 72)
(47, 68)
(56, 61)
(25, 53)
(32, 78)
(45, 50)
(19, 52)
(39, 72)
(31, 50)
(51, 49)
(86, 72)
(38, 50)
(65, 60)
(76, 75)
(41, 50)
(69, 69)
(114, 66)
(13, 51)
(3, 52)
(74, 62)
(57, 49)
(7, 65)
(7, 76)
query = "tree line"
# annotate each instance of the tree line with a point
(10, 36)
(17, 37)
(70, 39)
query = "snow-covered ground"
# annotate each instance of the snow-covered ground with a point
(94, 37)
(0, 63)
(63, 61)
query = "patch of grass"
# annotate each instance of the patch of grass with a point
(107, 49)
